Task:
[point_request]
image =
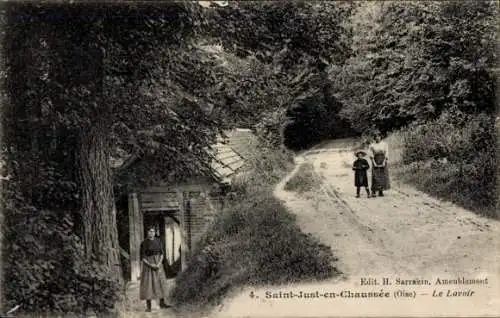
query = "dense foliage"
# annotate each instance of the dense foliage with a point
(300, 39)
(46, 267)
(415, 60)
(456, 163)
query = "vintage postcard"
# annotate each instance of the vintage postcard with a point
(249, 159)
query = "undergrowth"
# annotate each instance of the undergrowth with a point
(46, 268)
(44, 263)
(453, 162)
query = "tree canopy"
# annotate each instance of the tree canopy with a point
(414, 61)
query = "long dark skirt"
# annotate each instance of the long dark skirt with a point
(380, 178)
(153, 281)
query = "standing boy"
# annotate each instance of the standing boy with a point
(360, 167)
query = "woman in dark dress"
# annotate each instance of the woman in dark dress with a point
(360, 167)
(153, 279)
(380, 171)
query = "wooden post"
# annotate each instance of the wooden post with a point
(182, 221)
(136, 232)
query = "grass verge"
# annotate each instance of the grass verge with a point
(304, 180)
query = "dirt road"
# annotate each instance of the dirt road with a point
(406, 235)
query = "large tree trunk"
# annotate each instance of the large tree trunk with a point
(99, 227)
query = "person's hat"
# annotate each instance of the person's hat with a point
(362, 152)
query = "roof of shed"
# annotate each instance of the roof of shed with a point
(231, 154)
(243, 141)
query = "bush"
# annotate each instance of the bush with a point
(457, 162)
(45, 264)
(252, 242)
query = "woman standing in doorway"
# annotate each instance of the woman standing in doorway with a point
(380, 173)
(153, 279)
